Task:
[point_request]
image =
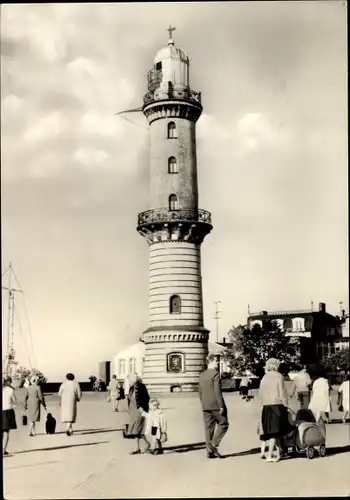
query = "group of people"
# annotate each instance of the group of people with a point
(274, 423)
(69, 394)
(146, 421)
(316, 395)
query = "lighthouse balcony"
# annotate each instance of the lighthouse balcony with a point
(154, 78)
(187, 95)
(162, 215)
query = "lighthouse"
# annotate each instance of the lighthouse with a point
(176, 341)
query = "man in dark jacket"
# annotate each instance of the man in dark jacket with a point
(213, 405)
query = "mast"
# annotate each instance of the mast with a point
(10, 353)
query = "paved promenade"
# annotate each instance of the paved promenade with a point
(95, 461)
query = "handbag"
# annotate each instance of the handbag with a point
(125, 433)
(24, 419)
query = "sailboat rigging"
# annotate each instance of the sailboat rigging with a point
(9, 361)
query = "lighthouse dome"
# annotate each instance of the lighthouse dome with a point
(171, 52)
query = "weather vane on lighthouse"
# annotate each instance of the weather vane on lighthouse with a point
(171, 29)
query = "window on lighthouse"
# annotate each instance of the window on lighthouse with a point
(175, 304)
(172, 165)
(171, 130)
(173, 202)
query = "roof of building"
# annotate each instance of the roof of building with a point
(225, 344)
(133, 350)
(301, 313)
(280, 313)
(217, 347)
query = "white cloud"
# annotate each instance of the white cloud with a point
(84, 66)
(94, 123)
(250, 133)
(47, 38)
(255, 131)
(90, 157)
(45, 128)
(11, 105)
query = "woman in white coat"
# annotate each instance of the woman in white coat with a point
(70, 394)
(320, 402)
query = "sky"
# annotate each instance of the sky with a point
(272, 165)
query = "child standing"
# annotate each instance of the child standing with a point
(156, 428)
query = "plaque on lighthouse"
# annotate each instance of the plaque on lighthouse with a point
(176, 340)
(175, 362)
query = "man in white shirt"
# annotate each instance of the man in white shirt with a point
(303, 383)
(8, 413)
(344, 397)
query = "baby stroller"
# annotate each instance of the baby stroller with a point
(306, 435)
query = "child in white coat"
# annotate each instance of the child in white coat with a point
(155, 428)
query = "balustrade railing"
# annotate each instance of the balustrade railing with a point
(186, 95)
(164, 215)
(154, 78)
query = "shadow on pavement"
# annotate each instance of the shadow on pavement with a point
(336, 450)
(31, 465)
(252, 451)
(61, 447)
(86, 431)
(99, 431)
(183, 448)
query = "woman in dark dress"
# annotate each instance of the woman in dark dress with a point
(274, 416)
(138, 400)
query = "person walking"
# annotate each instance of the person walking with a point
(113, 392)
(274, 414)
(302, 383)
(70, 394)
(138, 405)
(213, 407)
(33, 401)
(8, 412)
(343, 397)
(120, 394)
(320, 402)
(244, 387)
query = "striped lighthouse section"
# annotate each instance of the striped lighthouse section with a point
(175, 270)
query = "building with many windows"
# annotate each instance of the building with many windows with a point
(129, 360)
(320, 333)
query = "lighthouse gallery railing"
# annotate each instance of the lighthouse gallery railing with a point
(186, 95)
(164, 215)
